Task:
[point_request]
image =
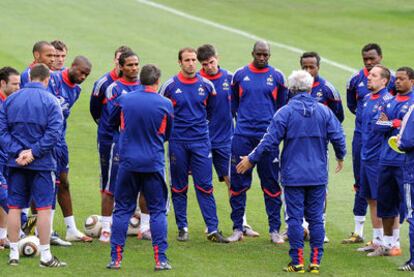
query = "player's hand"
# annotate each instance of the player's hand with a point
(244, 165)
(25, 157)
(383, 117)
(339, 165)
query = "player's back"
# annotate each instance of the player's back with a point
(145, 125)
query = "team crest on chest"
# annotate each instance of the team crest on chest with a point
(269, 80)
(226, 85)
(319, 94)
(201, 91)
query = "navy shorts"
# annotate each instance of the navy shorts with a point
(369, 179)
(26, 185)
(390, 191)
(62, 158)
(109, 162)
(221, 160)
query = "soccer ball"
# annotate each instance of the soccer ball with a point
(93, 226)
(133, 225)
(29, 246)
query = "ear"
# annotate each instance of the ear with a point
(36, 55)
(3, 83)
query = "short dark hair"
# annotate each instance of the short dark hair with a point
(59, 45)
(385, 72)
(37, 47)
(408, 70)
(372, 46)
(311, 54)
(5, 73)
(149, 75)
(205, 52)
(185, 49)
(122, 49)
(124, 56)
(39, 72)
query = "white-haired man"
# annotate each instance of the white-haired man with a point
(305, 127)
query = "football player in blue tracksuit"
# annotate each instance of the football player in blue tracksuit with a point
(128, 63)
(406, 143)
(43, 52)
(65, 87)
(258, 91)
(305, 127)
(220, 119)
(323, 91)
(9, 83)
(373, 105)
(189, 146)
(61, 51)
(31, 122)
(391, 185)
(356, 91)
(146, 123)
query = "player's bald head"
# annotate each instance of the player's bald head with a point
(261, 44)
(81, 61)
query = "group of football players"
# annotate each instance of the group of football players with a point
(212, 118)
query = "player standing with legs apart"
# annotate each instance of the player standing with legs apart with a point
(189, 146)
(31, 122)
(373, 105)
(9, 83)
(391, 163)
(146, 123)
(220, 120)
(61, 51)
(406, 144)
(258, 91)
(66, 89)
(356, 91)
(305, 127)
(129, 68)
(43, 52)
(325, 93)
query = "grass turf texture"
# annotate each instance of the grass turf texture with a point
(95, 28)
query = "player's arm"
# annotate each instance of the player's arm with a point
(236, 92)
(351, 95)
(10, 145)
(170, 117)
(52, 132)
(282, 92)
(406, 135)
(97, 100)
(336, 136)
(335, 102)
(271, 139)
(114, 112)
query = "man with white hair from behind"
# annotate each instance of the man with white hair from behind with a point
(305, 127)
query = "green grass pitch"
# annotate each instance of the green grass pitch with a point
(336, 29)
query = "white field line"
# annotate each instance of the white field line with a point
(241, 33)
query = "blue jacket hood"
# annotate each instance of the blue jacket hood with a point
(304, 104)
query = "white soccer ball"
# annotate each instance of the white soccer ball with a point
(93, 226)
(133, 225)
(29, 246)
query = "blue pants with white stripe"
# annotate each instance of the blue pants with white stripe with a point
(305, 202)
(360, 203)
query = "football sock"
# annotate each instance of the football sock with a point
(244, 219)
(145, 218)
(106, 223)
(52, 216)
(359, 225)
(14, 251)
(377, 236)
(388, 241)
(45, 254)
(3, 233)
(396, 237)
(70, 224)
